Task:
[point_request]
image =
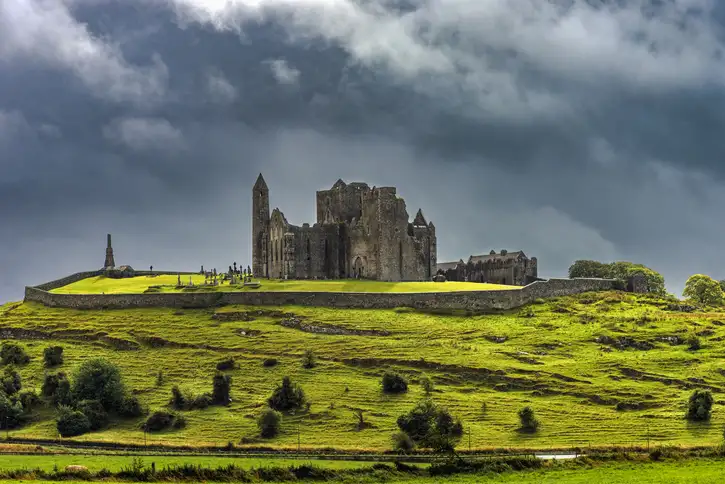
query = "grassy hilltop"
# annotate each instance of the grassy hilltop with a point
(598, 369)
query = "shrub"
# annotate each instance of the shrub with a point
(402, 442)
(53, 356)
(72, 422)
(621, 271)
(228, 364)
(131, 407)
(288, 396)
(699, 407)
(309, 360)
(394, 383)
(159, 378)
(179, 422)
(160, 420)
(693, 343)
(178, 399)
(704, 290)
(94, 411)
(201, 402)
(528, 420)
(431, 426)
(98, 379)
(29, 399)
(11, 382)
(269, 423)
(11, 412)
(13, 354)
(186, 400)
(220, 392)
(427, 383)
(57, 389)
(269, 362)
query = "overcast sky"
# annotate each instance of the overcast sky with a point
(565, 128)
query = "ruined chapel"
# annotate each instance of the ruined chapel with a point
(361, 232)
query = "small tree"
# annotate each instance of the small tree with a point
(12, 414)
(161, 420)
(309, 360)
(427, 383)
(11, 382)
(72, 422)
(269, 422)
(53, 356)
(288, 396)
(13, 354)
(99, 379)
(131, 407)
(94, 411)
(699, 407)
(704, 290)
(529, 422)
(431, 426)
(402, 442)
(394, 383)
(220, 393)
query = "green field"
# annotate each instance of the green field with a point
(543, 355)
(167, 283)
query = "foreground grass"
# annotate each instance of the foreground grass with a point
(545, 356)
(167, 283)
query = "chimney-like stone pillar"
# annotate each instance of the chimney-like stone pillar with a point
(110, 263)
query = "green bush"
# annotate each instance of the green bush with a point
(699, 407)
(72, 422)
(288, 396)
(528, 420)
(402, 442)
(131, 407)
(431, 426)
(94, 411)
(394, 383)
(309, 360)
(228, 364)
(162, 420)
(12, 414)
(693, 343)
(57, 389)
(621, 271)
(99, 379)
(269, 423)
(29, 399)
(11, 382)
(184, 399)
(269, 362)
(704, 290)
(53, 356)
(13, 354)
(221, 387)
(427, 383)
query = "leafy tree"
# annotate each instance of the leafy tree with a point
(269, 423)
(309, 360)
(12, 414)
(221, 387)
(621, 271)
(72, 422)
(99, 379)
(94, 411)
(699, 407)
(431, 426)
(427, 383)
(394, 383)
(131, 407)
(288, 396)
(704, 290)
(529, 422)
(13, 354)
(53, 356)
(57, 388)
(11, 382)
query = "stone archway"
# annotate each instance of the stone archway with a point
(358, 268)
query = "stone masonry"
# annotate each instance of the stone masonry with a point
(513, 268)
(361, 232)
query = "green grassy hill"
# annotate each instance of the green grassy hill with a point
(574, 360)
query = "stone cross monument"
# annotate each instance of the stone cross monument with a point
(110, 263)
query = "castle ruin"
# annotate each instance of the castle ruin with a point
(512, 268)
(361, 232)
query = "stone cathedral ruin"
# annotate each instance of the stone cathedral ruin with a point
(361, 232)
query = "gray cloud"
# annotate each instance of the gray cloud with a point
(567, 129)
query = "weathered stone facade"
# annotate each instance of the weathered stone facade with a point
(361, 232)
(109, 263)
(512, 268)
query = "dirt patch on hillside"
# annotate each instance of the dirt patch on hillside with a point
(326, 328)
(69, 335)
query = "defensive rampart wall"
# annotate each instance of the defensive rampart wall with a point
(465, 300)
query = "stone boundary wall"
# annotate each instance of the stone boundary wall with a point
(466, 300)
(78, 276)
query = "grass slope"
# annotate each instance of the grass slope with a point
(544, 355)
(167, 283)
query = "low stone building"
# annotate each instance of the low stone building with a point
(510, 268)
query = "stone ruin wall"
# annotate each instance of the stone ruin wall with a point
(461, 300)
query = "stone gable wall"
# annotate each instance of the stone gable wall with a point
(465, 300)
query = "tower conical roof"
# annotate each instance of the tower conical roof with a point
(419, 219)
(260, 183)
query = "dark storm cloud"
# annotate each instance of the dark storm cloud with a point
(569, 132)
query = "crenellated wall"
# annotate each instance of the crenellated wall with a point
(464, 300)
